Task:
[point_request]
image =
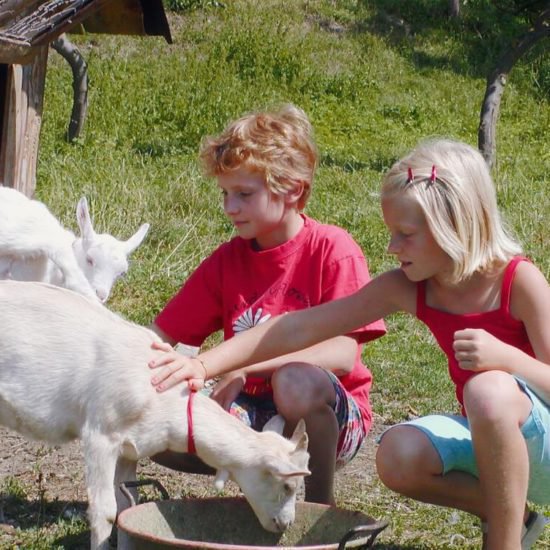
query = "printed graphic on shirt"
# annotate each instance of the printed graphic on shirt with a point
(249, 319)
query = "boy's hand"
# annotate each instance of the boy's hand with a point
(177, 368)
(228, 388)
(477, 350)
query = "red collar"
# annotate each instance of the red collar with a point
(190, 439)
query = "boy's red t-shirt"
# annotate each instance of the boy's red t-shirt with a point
(238, 287)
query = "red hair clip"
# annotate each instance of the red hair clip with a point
(410, 175)
(433, 177)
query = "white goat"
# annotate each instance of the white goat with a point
(70, 368)
(34, 246)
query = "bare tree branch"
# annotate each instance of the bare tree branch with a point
(70, 52)
(496, 82)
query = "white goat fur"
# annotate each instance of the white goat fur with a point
(70, 368)
(34, 246)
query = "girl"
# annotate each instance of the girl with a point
(461, 273)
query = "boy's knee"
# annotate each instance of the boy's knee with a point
(299, 380)
(299, 388)
(288, 377)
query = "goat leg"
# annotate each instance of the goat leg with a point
(100, 453)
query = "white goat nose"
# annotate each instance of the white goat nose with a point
(281, 524)
(102, 295)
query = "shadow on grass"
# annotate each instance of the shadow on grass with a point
(483, 31)
(78, 541)
(35, 516)
(27, 514)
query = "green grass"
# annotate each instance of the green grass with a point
(372, 87)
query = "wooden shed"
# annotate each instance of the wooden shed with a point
(27, 27)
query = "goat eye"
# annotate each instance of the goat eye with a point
(89, 260)
(288, 488)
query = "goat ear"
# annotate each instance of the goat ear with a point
(275, 424)
(299, 437)
(84, 221)
(221, 477)
(286, 468)
(135, 240)
(296, 473)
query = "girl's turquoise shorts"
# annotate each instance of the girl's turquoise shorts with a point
(452, 439)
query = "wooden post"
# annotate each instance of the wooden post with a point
(21, 121)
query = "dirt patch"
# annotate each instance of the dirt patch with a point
(48, 484)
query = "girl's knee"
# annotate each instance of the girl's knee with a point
(495, 395)
(489, 383)
(395, 448)
(404, 455)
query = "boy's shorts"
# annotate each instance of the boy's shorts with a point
(255, 412)
(452, 439)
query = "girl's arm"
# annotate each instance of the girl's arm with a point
(386, 294)
(531, 304)
(337, 355)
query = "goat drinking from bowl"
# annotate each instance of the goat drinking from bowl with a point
(34, 246)
(70, 368)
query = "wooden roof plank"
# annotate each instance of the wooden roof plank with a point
(33, 24)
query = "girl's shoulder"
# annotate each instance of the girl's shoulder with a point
(527, 274)
(529, 290)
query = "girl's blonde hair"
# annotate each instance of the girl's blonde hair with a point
(277, 144)
(451, 182)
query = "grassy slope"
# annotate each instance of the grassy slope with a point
(373, 87)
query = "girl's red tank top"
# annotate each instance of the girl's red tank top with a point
(498, 322)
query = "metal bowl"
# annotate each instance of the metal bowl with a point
(224, 523)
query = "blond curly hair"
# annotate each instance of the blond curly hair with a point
(277, 144)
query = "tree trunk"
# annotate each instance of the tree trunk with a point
(496, 82)
(70, 52)
(454, 8)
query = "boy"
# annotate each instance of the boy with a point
(280, 261)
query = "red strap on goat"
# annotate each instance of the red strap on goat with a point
(190, 439)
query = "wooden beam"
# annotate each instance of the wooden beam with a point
(21, 123)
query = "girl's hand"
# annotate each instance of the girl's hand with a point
(477, 350)
(177, 368)
(228, 388)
